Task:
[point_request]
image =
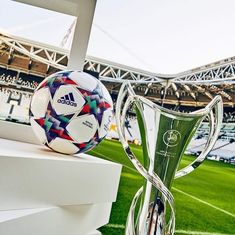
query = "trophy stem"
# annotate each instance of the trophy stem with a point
(147, 222)
(157, 218)
(152, 212)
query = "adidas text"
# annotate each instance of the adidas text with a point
(68, 102)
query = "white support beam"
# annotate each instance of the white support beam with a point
(81, 35)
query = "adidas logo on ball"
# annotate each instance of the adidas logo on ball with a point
(67, 99)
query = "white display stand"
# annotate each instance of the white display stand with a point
(47, 193)
(16, 131)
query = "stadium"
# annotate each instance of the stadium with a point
(204, 199)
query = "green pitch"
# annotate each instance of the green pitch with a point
(204, 199)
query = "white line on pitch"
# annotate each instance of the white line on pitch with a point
(110, 159)
(206, 203)
(199, 233)
(122, 226)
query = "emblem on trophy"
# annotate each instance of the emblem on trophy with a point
(165, 135)
(171, 138)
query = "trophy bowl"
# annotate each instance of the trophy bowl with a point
(165, 135)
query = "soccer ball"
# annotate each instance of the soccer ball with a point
(71, 112)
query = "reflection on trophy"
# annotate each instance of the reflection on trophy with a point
(165, 135)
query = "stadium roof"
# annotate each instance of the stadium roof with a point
(84, 11)
(194, 87)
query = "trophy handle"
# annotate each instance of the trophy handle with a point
(153, 178)
(130, 225)
(215, 115)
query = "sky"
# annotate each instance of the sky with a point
(162, 36)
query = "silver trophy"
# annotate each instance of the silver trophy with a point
(165, 135)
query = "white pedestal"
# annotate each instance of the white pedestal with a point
(69, 220)
(15, 131)
(47, 193)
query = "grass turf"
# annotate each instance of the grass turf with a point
(213, 182)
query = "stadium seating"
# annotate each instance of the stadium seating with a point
(20, 113)
(4, 110)
(7, 76)
(29, 80)
(19, 79)
(14, 105)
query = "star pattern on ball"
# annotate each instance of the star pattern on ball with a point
(54, 127)
(95, 104)
(53, 83)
